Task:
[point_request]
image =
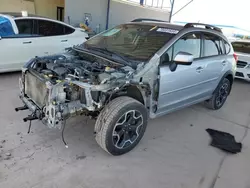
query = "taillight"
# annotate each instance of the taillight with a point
(236, 57)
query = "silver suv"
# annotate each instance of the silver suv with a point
(128, 74)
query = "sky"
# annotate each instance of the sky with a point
(225, 12)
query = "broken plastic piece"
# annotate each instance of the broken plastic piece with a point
(224, 141)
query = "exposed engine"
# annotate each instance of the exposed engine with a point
(58, 87)
(60, 68)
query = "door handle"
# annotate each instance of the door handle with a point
(199, 69)
(64, 40)
(28, 42)
(224, 63)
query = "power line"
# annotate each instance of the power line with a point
(182, 7)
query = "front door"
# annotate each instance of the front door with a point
(184, 86)
(15, 52)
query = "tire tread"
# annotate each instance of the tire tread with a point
(210, 104)
(107, 115)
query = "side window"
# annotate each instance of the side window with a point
(212, 45)
(25, 26)
(227, 47)
(167, 56)
(68, 30)
(190, 43)
(49, 28)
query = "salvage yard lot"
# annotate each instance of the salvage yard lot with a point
(174, 152)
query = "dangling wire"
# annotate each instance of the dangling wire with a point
(63, 129)
(30, 122)
(29, 127)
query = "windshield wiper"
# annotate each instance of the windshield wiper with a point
(111, 53)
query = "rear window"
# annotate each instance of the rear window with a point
(243, 47)
(49, 28)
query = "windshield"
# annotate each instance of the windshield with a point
(134, 41)
(243, 47)
(5, 27)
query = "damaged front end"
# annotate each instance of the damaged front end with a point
(55, 88)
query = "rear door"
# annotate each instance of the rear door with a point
(215, 62)
(184, 86)
(52, 37)
(75, 35)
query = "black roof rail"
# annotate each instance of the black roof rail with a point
(148, 19)
(207, 26)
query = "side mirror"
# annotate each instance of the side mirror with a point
(184, 58)
(0, 38)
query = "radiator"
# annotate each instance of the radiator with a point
(36, 89)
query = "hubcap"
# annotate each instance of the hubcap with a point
(222, 96)
(127, 129)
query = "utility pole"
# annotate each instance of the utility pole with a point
(171, 11)
(107, 16)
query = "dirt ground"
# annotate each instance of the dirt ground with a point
(174, 152)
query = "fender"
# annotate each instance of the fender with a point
(230, 76)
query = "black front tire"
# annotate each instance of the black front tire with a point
(110, 125)
(220, 95)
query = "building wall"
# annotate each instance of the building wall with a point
(17, 6)
(75, 12)
(47, 8)
(121, 12)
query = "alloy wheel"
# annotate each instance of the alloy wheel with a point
(127, 129)
(222, 95)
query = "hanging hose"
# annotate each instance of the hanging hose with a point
(63, 129)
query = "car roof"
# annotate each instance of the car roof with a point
(159, 24)
(162, 23)
(19, 14)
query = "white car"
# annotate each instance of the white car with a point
(242, 50)
(24, 37)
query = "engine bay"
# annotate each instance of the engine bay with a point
(61, 86)
(86, 69)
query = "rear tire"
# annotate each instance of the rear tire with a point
(121, 125)
(220, 95)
